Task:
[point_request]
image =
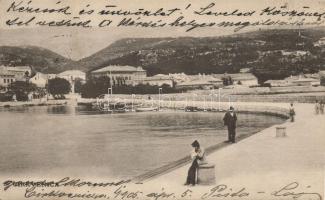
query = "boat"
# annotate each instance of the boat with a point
(191, 109)
(146, 109)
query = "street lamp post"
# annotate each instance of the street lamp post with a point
(193, 100)
(47, 88)
(219, 96)
(133, 96)
(211, 99)
(204, 105)
(159, 91)
(110, 93)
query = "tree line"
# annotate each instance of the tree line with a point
(97, 86)
(92, 88)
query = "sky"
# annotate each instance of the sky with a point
(77, 43)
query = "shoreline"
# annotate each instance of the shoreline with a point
(165, 169)
(33, 103)
(252, 107)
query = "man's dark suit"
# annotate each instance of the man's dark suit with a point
(230, 121)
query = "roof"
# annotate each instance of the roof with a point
(119, 68)
(6, 72)
(196, 82)
(17, 68)
(276, 81)
(238, 76)
(211, 79)
(305, 80)
(72, 72)
(40, 75)
(154, 78)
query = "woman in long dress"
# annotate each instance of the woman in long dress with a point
(198, 156)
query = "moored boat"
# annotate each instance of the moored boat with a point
(146, 109)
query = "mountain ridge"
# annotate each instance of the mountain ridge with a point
(39, 58)
(193, 55)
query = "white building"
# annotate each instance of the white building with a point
(158, 80)
(72, 75)
(179, 77)
(6, 78)
(304, 80)
(20, 72)
(39, 79)
(277, 83)
(207, 82)
(10, 74)
(117, 73)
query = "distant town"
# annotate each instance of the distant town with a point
(37, 84)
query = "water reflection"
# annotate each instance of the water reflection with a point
(70, 141)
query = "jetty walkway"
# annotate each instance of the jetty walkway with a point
(264, 164)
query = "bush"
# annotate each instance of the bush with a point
(95, 87)
(5, 96)
(58, 87)
(21, 89)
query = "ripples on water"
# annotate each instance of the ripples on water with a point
(68, 141)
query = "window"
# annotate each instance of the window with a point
(5, 80)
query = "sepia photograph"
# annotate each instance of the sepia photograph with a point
(162, 100)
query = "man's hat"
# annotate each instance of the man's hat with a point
(195, 144)
(231, 108)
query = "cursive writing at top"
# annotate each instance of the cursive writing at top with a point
(27, 7)
(206, 11)
(115, 10)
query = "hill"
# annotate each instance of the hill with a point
(258, 50)
(40, 59)
(270, 54)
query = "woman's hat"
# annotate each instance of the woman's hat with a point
(195, 144)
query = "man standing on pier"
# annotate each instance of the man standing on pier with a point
(230, 120)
